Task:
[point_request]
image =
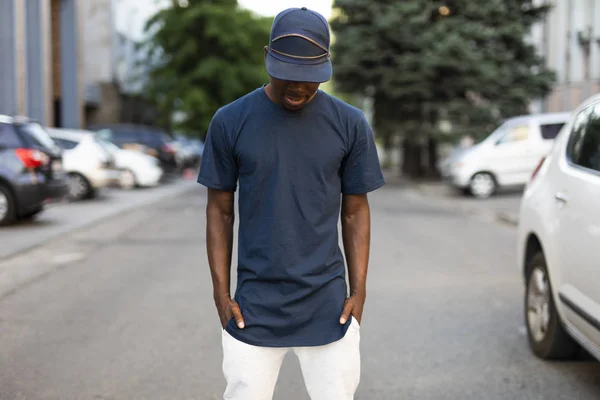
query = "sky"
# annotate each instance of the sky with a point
(272, 7)
(132, 14)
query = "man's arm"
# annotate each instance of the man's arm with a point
(220, 217)
(356, 235)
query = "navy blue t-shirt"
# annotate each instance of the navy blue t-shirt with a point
(292, 168)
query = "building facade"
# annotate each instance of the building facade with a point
(569, 40)
(101, 100)
(40, 75)
(65, 64)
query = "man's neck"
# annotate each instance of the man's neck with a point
(269, 92)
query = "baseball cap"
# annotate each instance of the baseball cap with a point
(299, 47)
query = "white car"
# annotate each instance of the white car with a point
(559, 242)
(88, 165)
(507, 157)
(137, 169)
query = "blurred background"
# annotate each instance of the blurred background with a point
(427, 73)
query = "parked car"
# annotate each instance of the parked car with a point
(89, 166)
(558, 238)
(31, 172)
(507, 157)
(198, 146)
(186, 154)
(445, 164)
(154, 141)
(137, 169)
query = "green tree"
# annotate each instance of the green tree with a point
(465, 61)
(203, 56)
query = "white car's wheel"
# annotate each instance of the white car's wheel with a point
(482, 185)
(548, 339)
(127, 180)
(79, 188)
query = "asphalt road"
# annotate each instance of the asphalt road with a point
(125, 311)
(505, 203)
(61, 218)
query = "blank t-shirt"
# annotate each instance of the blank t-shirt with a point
(291, 169)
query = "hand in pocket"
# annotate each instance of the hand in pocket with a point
(352, 306)
(227, 309)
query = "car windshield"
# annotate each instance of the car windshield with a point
(166, 138)
(110, 147)
(37, 134)
(182, 139)
(495, 135)
(104, 134)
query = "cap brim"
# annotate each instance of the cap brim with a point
(314, 73)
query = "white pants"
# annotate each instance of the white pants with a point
(331, 372)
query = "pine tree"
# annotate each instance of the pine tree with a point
(466, 61)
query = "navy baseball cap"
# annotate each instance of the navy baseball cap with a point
(299, 47)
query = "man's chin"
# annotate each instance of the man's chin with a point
(293, 107)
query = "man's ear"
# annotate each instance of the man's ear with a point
(266, 51)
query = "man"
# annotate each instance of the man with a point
(295, 152)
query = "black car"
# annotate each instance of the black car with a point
(31, 171)
(155, 141)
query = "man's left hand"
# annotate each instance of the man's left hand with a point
(352, 306)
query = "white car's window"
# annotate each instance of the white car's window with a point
(515, 134)
(110, 147)
(104, 134)
(589, 156)
(550, 131)
(65, 144)
(584, 144)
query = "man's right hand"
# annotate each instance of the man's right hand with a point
(227, 309)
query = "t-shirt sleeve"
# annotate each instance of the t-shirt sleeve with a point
(361, 170)
(218, 169)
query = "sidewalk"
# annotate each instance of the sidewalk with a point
(502, 207)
